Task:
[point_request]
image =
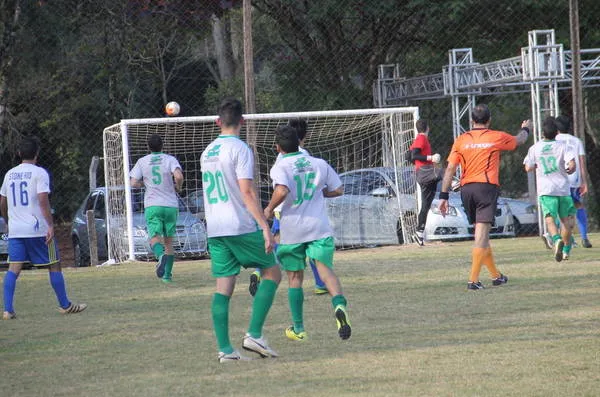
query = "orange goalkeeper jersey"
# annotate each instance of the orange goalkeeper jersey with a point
(478, 153)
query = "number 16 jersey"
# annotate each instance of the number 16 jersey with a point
(303, 212)
(223, 162)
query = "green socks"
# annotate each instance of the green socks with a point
(338, 300)
(220, 316)
(296, 301)
(158, 249)
(260, 306)
(169, 267)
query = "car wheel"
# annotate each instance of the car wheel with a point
(517, 226)
(79, 258)
(410, 218)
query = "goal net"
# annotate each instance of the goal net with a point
(368, 148)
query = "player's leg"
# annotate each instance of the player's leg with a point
(170, 229)
(320, 288)
(224, 268)
(550, 206)
(249, 250)
(566, 213)
(255, 275)
(17, 255)
(293, 260)
(581, 215)
(154, 224)
(322, 251)
(427, 196)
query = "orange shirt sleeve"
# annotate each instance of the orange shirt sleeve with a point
(505, 141)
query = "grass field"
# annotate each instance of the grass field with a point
(417, 331)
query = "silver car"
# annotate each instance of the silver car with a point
(374, 208)
(190, 240)
(3, 242)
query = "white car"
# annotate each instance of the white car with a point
(525, 216)
(455, 225)
(373, 208)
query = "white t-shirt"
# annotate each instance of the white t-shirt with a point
(223, 162)
(156, 171)
(279, 157)
(550, 159)
(303, 212)
(21, 187)
(575, 146)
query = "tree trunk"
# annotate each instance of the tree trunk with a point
(220, 32)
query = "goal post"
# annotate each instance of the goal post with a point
(350, 140)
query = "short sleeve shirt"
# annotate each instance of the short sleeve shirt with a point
(575, 146)
(224, 161)
(156, 171)
(421, 142)
(550, 158)
(478, 153)
(303, 212)
(21, 187)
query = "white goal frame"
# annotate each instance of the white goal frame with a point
(125, 142)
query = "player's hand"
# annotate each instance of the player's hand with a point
(443, 207)
(49, 234)
(269, 241)
(583, 189)
(436, 158)
(527, 124)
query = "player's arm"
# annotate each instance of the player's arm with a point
(279, 194)
(250, 199)
(571, 166)
(583, 189)
(446, 182)
(47, 214)
(136, 182)
(334, 193)
(178, 177)
(524, 133)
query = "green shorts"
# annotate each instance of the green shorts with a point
(293, 256)
(558, 207)
(229, 253)
(161, 221)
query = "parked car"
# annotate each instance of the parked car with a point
(190, 239)
(195, 201)
(373, 207)
(525, 216)
(3, 242)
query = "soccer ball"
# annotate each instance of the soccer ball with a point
(172, 109)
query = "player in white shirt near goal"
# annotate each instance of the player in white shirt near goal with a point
(302, 183)
(578, 179)
(552, 162)
(320, 289)
(161, 176)
(238, 233)
(25, 205)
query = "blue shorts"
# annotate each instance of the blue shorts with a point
(32, 249)
(575, 195)
(275, 226)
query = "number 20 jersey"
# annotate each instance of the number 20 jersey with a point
(550, 159)
(21, 187)
(303, 212)
(223, 162)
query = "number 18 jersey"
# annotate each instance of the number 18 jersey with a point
(303, 212)
(550, 158)
(223, 162)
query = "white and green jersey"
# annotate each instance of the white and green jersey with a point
(575, 146)
(279, 157)
(156, 171)
(224, 161)
(550, 159)
(303, 212)
(21, 187)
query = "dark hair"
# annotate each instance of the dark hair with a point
(422, 125)
(230, 112)
(563, 123)
(29, 147)
(155, 143)
(481, 114)
(549, 127)
(286, 137)
(300, 126)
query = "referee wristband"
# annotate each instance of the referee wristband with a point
(444, 195)
(526, 130)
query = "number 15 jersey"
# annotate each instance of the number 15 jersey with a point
(303, 212)
(223, 162)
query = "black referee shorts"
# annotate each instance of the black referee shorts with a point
(480, 201)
